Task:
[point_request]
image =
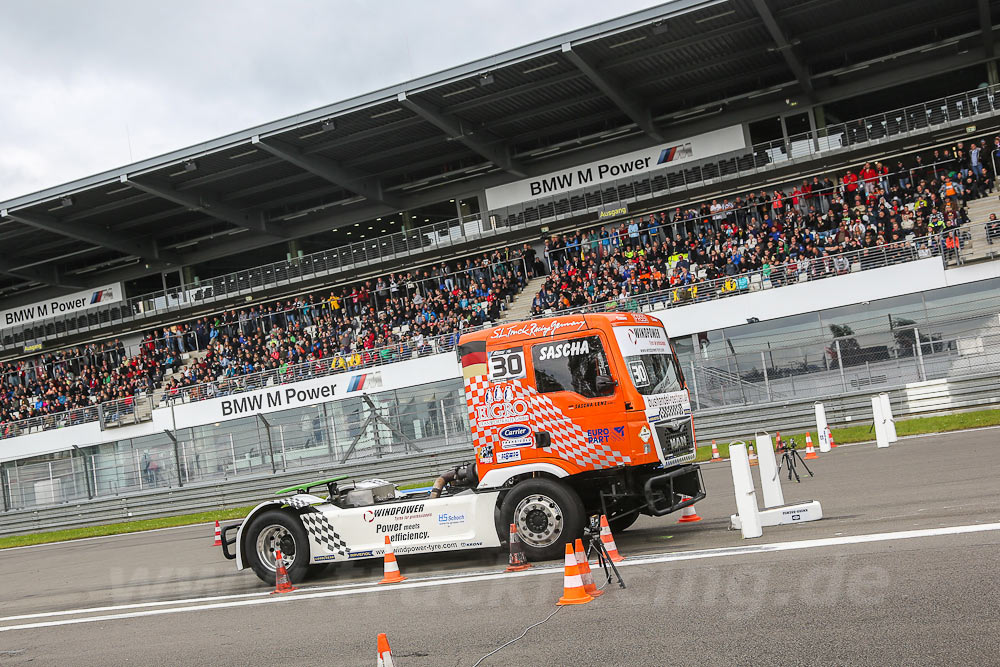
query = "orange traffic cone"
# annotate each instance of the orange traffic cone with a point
(282, 582)
(384, 652)
(218, 535)
(810, 452)
(391, 570)
(690, 515)
(573, 590)
(715, 452)
(517, 560)
(753, 456)
(585, 574)
(829, 435)
(608, 540)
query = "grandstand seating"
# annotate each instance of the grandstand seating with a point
(375, 323)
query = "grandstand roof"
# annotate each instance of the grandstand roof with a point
(681, 67)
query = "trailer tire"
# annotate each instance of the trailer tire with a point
(277, 528)
(548, 514)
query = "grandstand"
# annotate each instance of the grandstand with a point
(498, 190)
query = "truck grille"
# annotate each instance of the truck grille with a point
(676, 440)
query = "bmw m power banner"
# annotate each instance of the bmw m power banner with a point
(62, 306)
(667, 154)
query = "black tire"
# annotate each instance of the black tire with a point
(550, 515)
(620, 523)
(286, 531)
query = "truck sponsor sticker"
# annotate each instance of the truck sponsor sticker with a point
(497, 414)
(507, 457)
(603, 436)
(560, 350)
(447, 519)
(486, 454)
(535, 329)
(506, 364)
(670, 406)
(515, 436)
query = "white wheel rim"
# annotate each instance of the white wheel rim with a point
(539, 520)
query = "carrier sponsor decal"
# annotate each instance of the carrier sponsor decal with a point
(537, 329)
(515, 436)
(508, 457)
(538, 413)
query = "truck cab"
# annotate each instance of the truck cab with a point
(595, 403)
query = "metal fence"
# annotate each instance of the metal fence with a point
(848, 363)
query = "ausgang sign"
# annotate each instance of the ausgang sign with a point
(698, 147)
(62, 306)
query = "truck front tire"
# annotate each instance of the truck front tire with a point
(548, 514)
(270, 531)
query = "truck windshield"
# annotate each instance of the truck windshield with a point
(654, 373)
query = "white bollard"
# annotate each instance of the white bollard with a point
(767, 464)
(746, 497)
(881, 436)
(890, 423)
(821, 424)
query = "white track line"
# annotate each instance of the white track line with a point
(642, 560)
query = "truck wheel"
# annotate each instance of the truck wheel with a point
(548, 514)
(620, 523)
(273, 530)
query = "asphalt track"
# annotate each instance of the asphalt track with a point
(903, 569)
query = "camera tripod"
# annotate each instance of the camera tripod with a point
(790, 457)
(603, 558)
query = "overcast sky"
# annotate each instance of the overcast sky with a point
(90, 86)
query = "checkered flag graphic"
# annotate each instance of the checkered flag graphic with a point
(323, 532)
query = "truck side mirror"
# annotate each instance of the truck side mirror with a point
(543, 439)
(605, 385)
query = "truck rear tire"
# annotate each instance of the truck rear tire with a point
(272, 530)
(548, 514)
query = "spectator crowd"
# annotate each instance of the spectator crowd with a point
(779, 234)
(914, 207)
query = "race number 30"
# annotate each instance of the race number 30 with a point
(506, 364)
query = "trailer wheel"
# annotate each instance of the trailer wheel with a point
(273, 530)
(548, 514)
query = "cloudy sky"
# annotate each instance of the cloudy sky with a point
(89, 86)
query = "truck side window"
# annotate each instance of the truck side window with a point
(571, 365)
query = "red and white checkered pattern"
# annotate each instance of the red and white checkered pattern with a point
(569, 441)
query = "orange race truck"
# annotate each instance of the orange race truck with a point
(571, 416)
